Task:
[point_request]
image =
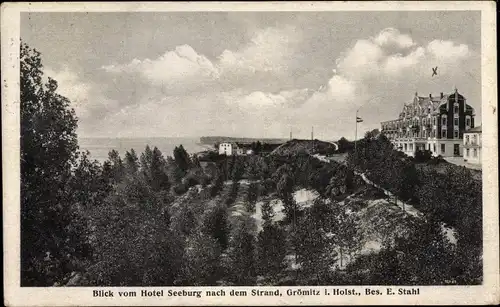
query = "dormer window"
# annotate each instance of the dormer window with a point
(443, 121)
(455, 108)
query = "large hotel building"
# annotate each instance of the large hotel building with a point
(431, 123)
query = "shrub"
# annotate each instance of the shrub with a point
(180, 189)
(423, 156)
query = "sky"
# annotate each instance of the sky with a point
(262, 74)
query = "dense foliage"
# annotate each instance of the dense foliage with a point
(448, 194)
(152, 219)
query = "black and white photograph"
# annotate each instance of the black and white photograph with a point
(279, 151)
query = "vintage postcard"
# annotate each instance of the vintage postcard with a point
(276, 153)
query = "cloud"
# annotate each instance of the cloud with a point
(69, 85)
(264, 101)
(447, 50)
(250, 91)
(268, 51)
(393, 53)
(383, 72)
(391, 58)
(85, 97)
(181, 64)
(392, 37)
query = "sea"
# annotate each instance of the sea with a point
(100, 147)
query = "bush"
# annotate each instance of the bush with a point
(191, 181)
(423, 156)
(180, 189)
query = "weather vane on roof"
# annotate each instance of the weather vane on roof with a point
(434, 71)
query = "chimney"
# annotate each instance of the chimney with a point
(442, 95)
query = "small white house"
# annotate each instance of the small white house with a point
(472, 145)
(226, 149)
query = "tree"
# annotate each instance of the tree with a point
(146, 160)
(408, 181)
(131, 162)
(215, 224)
(438, 197)
(195, 161)
(423, 155)
(158, 176)
(182, 159)
(346, 233)
(237, 169)
(344, 145)
(202, 265)
(253, 194)
(285, 190)
(256, 167)
(48, 152)
(372, 134)
(132, 240)
(174, 172)
(256, 147)
(217, 184)
(88, 183)
(241, 254)
(313, 243)
(117, 167)
(270, 246)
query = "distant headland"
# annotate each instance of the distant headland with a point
(220, 139)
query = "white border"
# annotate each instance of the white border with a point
(488, 293)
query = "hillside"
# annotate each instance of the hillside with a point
(305, 146)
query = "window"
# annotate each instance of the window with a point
(411, 147)
(467, 151)
(406, 147)
(455, 121)
(443, 133)
(474, 139)
(455, 109)
(475, 152)
(467, 121)
(443, 148)
(455, 134)
(443, 121)
(434, 147)
(467, 139)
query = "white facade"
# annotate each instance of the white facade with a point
(431, 123)
(225, 149)
(229, 149)
(472, 145)
(438, 147)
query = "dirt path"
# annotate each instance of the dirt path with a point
(448, 232)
